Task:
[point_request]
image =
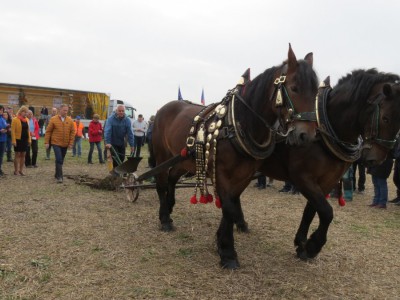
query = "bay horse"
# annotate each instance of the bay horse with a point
(366, 103)
(277, 102)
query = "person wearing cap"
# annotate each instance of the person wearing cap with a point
(78, 126)
(95, 137)
(61, 133)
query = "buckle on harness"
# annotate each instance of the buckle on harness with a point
(280, 79)
(190, 141)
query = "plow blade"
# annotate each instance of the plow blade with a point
(128, 166)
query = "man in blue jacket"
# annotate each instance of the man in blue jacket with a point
(118, 126)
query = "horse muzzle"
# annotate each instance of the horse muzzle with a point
(302, 134)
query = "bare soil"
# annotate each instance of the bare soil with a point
(70, 241)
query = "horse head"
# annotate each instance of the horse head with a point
(382, 130)
(295, 91)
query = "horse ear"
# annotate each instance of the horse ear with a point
(327, 81)
(245, 78)
(292, 60)
(309, 59)
(387, 89)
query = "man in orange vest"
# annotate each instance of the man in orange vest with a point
(78, 126)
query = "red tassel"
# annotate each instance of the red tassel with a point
(203, 199)
(209, 198)
(193, 200)
(218, 202)
(327, 196)
(184, 152)
(341, 201)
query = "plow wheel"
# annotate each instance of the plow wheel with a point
(131, 187)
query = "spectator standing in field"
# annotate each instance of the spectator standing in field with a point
(46, 123)
(61, 133)
(77, 148)
(118, 126)
(8, 119)
(396, 172)
(11, 112)
(3, 138)
(149, 140)
(44, 112)
(361, 176)
(34, 132)
(21, 139)
(41, 126)
(139, 129)
(95, 137)
(380, 175)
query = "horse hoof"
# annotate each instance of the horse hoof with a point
(167, 227)
(243, 228)
(302, 255)
(231, 264)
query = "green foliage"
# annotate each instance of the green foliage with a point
(41, 263)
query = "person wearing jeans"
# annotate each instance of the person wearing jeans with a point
(77, 147)
(95, 137)
(118, 126)
(139, 131)
(380, 175)
(30, 161)
(61, 132)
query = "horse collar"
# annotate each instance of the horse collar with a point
(345, 151)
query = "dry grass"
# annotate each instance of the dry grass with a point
(71, 242)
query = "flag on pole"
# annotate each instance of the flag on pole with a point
(203, 101)
(179, 93)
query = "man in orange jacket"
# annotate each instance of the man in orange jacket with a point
(78, 126)
(61, 132)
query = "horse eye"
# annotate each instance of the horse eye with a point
(294, 89)
(385, 119)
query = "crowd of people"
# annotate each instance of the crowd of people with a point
(20, 134)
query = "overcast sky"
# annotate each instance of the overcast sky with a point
(142, 51)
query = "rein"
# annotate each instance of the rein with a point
(374, 132)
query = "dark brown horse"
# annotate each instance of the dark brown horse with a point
(275, 103)
(365, 103)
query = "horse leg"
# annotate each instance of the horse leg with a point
(241, 224)
(301, 235)
(318, 238)
(172, 181)
(165, 210)
(232, 213)
(225, 244)
(167, 198)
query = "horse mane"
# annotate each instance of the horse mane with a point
(259, 85)
(362, 81)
